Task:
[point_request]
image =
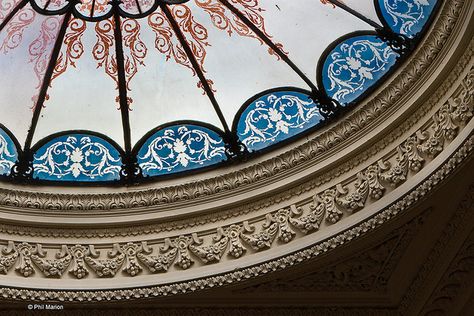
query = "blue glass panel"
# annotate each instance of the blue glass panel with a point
(180, 148)
(8, 153)
(406, 17)
(276, 116)
(355, 65)
(77, 157)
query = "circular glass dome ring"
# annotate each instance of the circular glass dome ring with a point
(64, 6)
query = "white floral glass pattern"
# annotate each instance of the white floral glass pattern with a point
(355, 65)
(8, 153)
(276, 116)
(77, 157)
(406, 17)
(180, 147)
(177, 85)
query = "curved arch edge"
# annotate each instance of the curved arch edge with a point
(77, 156)
(180, 147)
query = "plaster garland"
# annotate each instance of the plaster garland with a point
(234, 240)
(303, 255)
(409, 157)
(330, 205)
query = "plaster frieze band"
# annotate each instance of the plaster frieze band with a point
(456, 160)
(294, 223)
(243, 238)
(345, 197)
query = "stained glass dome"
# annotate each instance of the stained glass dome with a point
(127, 90)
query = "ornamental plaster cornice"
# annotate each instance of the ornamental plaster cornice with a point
(404, 146)
(52, 269)
(320, 150)
(409, 155)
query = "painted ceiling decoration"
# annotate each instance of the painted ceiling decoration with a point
(125, 90)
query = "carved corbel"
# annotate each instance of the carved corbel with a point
(412, 146)
(131, 266)
(25, 266)
(236, 248)
(181, 244)
(282, 218)
(376, 189)
(78, 268)
(333, 212)
(398, 172)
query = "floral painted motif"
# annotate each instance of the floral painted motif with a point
(354, 65)
(72, 49)
(15, 29)
(224, 20)
(8, 153)
(77, 157)
(167, 43)
(40, 49)
(7, 6)
(135, 50)
(104, 50)
(406, 17)
(96, 9)
(275, 117)
(178, 148)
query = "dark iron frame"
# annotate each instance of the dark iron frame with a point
(131, 174)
